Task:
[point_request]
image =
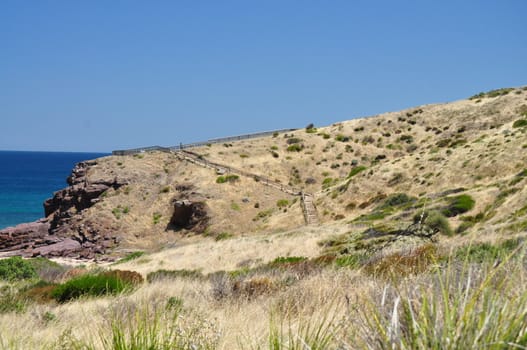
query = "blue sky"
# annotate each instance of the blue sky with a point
(103, 75)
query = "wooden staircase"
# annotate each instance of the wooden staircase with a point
(309, 209)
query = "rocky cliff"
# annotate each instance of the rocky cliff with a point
(52, 235)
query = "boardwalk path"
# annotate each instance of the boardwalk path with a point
(308, 207)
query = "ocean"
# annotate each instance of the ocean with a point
(27, 179)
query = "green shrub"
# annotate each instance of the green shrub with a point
(356, 170)
(352, 261)
(223, 235)
(310, 129)
(491, 93)
(281, 203)
(287, 260)
(165, 189)
(263, 214)
(174, 303)
(90, 285)
(342, 138)
(16, 268)
(293, 140)
(464, 226)
(485, 252)
(11, 301)
(438, 222)
(296, 147)
(232, 178)
(227, 178)
(520, 123)
(376, 215)
(156, 217)
(328, 182)
(406, 138)
(397, 199)
(458, 205)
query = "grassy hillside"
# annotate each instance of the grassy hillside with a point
(421, 242)
(474, 147)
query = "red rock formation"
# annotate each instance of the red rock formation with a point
(53, 236)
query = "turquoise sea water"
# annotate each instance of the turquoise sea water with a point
(29, 178)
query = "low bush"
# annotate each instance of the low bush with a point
(351, 261)
(293, 140)
(11, 301)
(108, 283)
(156, 217)
(16, 268)
(223, 235)
(486, 252)
(263, 214)
(328, 182)
(435, 220)
(296, 147)
(397, 199)
(406, 138)
(520, 123)
(458, 205)
(356, 170)
(282, 203)
(342, 138)
(310, 129)
(231, 178)
(491, 93)
(281, 260)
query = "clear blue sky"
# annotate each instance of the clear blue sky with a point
(103, 75)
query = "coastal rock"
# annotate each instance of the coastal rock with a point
(62, 248)
(24, 236)
(63, 232)
(80, 195)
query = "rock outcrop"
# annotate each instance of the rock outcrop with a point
(24, 237)
(189, 215)
(190, 210)
(62, 232)
(80, 195)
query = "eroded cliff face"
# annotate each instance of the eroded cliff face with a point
(52, 235)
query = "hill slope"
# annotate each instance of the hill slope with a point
(376, 173)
